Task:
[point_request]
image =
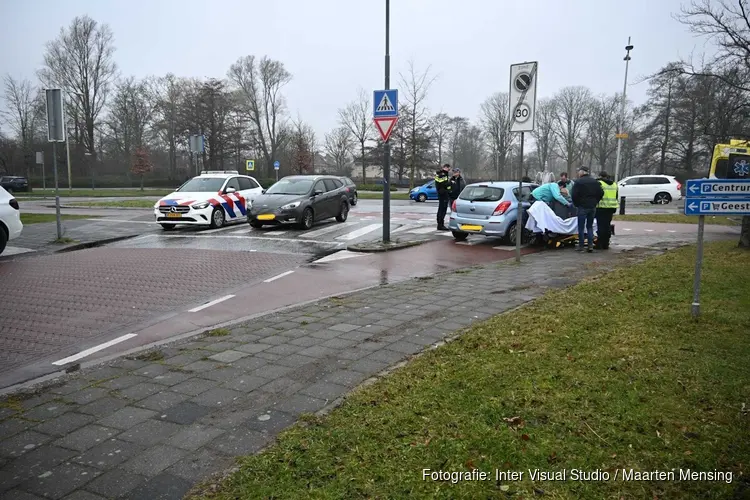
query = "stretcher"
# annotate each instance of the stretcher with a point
(551, 230)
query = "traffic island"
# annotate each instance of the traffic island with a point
(379, 246)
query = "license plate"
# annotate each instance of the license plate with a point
(266, 217)
(467, 227)
(174, 216)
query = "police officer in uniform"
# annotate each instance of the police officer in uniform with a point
(605, 210)
(444, 189)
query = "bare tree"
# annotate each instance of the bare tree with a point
(544, 130)
(496, 121)
(602, 128)
(356, 117)
(260, 84)
(441, 128)
(416, 86)
(303, 144)
(729, 27)
(80, 62)
(573, 105)
(166, 93)
(339, 145)
(22, 114)
(130, 117)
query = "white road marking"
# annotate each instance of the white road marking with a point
(469, 242)
(101, 219)
(276, 233)
(402, 228)
(94, 349)
(328, 228)
(445, 233)
(143, 237)
(241, 230)
(359, 232)
(287, 273)
(209, 304)
(238, 237)
(671, 231)
(649, 230)
(627, 229)
(340, 255)
(225, 228)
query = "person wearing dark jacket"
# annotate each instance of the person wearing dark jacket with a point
(444, 189)
(586, 195)
(457, 184)
(605, 210)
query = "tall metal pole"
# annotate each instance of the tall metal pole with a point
(57, 189)
(387, 146)
(628, 48)
(519, 210)
(695, 307)
(70, 170)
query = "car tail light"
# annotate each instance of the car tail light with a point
(453, 206)
(679, 187)
(347, 190)
(14, 203)
(501, 208)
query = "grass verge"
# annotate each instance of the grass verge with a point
(27, 218)
(115, 204)
(678, 219)
(98, 193)
(608, 375)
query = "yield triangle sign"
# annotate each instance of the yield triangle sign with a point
(385, 126)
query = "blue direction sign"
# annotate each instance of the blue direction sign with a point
(717, 206)
(276, 165)
(385, 103)
(718, 187)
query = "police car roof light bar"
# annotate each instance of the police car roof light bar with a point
(219, 172)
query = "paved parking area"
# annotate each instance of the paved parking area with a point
(154, 425)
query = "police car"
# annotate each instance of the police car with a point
(212, 199)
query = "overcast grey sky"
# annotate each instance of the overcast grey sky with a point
(332, 47)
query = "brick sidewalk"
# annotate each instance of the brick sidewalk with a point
(152, 426)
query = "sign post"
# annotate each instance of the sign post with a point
(276, 166)
(385, 116)
(713, 197)
(40, 161)
(522, 104)
(55, 133)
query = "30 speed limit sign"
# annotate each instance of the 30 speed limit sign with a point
(522, 113)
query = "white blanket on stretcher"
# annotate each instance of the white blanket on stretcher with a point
(542, 217)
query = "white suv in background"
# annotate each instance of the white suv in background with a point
(660, 189)
(10, 219)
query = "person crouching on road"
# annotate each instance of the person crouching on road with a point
(605, 210)
(457, 184)
(587, 192)
(443, 185)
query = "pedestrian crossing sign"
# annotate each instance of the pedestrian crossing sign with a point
(385, 103)
(249, 165)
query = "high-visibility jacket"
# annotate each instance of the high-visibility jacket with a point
(442, 183)
(609, 200)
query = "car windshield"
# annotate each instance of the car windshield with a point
(482, 193)
(202, 185)
(291, 186)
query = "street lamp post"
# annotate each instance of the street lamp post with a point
(628, 48)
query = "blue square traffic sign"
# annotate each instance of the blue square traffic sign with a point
(385, 103)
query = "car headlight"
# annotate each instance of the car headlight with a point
(156, 205)
(291, 206)
(200, 206)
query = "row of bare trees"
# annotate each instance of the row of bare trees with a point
(244, 115)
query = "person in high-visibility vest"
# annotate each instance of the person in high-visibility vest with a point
(605, 210)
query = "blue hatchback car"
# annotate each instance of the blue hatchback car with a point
(489, 209)
(424, 192)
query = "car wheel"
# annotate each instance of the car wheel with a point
(343, 212)
(3, 239)
(662, 198)
(168, 227)
(307, 219)
(217, 218)
(510, 236)
(256, 225)
(422, 197)
(459, 236)
(354, 199)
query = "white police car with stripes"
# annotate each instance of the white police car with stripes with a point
(212, 199)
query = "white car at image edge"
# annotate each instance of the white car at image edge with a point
(10, 219)
(212, 199)
(658, 189)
